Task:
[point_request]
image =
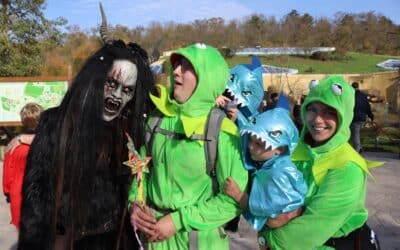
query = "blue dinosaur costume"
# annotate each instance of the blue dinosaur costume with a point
(277, 187)
(246, 88)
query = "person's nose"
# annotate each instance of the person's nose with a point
(118, 92)
(318, 117)
(178, 70)
(251, 146)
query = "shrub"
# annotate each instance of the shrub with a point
(322, 56)
(226, 52)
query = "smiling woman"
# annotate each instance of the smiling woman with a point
(321, 122)
(335, 214)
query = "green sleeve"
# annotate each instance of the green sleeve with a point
(327, 211)
(220, 208)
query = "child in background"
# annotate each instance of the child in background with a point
(296, 112)
(244, 92)
(277, 186)
(15, 162)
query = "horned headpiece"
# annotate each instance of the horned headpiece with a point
(106, 37)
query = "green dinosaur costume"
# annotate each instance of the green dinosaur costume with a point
(177, 182)
(335, 174)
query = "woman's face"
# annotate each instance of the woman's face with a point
(321, 121)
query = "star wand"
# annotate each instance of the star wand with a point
(137, 164)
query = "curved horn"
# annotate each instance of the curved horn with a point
(105, 36)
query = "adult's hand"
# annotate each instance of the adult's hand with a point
(13, 144)
(165, 228)
(284, 218)
(18, 140)
(143, 220)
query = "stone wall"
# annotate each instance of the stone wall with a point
(383, 85)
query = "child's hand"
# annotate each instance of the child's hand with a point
(222, 100)
(232, 189)
(232, 114)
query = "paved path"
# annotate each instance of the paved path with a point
(383, 203)
(383, 200)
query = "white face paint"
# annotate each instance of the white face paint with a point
(119, 88)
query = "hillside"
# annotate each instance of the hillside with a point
(352, 63)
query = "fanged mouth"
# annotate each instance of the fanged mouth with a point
(229, 93)
(111, 106)
(268, 145)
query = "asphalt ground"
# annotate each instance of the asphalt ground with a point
(383, 203)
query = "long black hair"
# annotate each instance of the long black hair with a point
(89, 146)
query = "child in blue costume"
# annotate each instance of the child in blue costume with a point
(244, 92)
(277, 186)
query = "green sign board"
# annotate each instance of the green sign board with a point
(14, 95)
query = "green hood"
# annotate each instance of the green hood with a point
(335, 92)
(212, 74)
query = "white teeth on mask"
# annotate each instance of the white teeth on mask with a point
(264, 141)
(235, 99)
(268, 146)
(111, 105)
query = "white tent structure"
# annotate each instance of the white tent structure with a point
(391, 64)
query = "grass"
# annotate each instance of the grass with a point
(386, 140)
(371, 147)
(353, 63)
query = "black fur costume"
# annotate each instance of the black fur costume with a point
(75, 162)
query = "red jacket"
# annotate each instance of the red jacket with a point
(13, 175)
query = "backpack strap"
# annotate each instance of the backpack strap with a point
(211, 133)
(210, 137)
(151, 129)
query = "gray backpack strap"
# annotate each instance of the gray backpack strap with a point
(151, 129)
(210, 138)
(213, 127)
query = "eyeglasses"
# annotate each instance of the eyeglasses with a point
(184, 63)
